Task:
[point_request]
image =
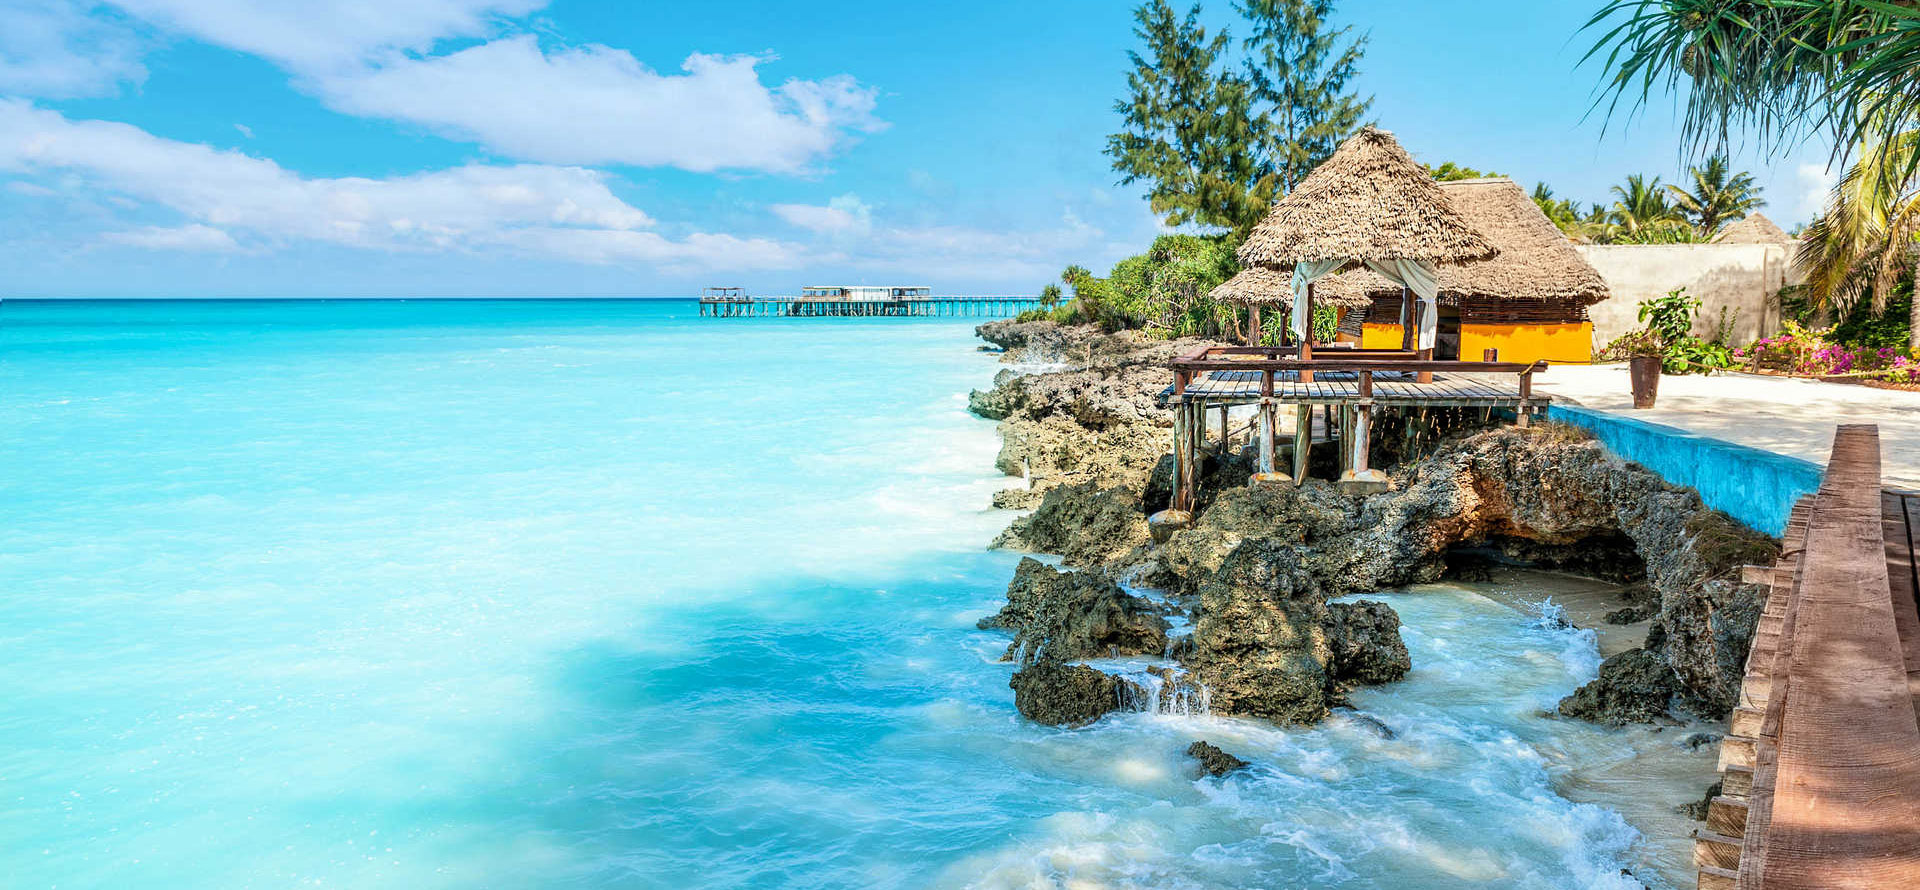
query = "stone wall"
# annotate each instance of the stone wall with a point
(1744, 277)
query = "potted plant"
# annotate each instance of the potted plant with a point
(1668, 320)
(1645, 357)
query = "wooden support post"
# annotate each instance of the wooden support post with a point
(1182, 460)
(1525, 414)
(1407, 320)
(1253, 324)
(1359, 478)
(1426, 355)
(1306, 336)
(1226, 432)
(1302, 442)
(1269, 421)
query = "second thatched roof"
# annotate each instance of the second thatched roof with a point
(1755, 229)
(1535, 260)
(1264, 287)
(1369, 201)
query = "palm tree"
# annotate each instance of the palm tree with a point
(1719, 196)
(1640, 206)
(1775, 68)
(1050, 296)
(1868, 236)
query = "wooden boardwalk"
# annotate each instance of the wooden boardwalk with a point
(1821, 766)
(848, 307)
(1390, 389)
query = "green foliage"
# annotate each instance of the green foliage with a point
(1670, 231)
(1216, 146)
(1630, 345)
(1689, 354)
(1670, 317)
(1451, 172)
(1772, 68)
(1866, 328)
(1299, 67)
(1718, 197)
(1050, 297)
(1189, 131)
(1163, 292)
(1640, 204)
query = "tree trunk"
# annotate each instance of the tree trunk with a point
(1913, 318)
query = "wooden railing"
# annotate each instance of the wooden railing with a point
(1356, 411)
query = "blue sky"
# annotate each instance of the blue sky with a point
(621, 147)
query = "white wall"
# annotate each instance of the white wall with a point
(1746, 277)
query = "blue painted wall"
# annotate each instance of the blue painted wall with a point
(1756, 487)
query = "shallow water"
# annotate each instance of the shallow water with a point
(439, 594)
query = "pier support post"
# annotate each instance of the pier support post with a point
(1269, 424)
(1226, 432)
(1302, 442)
(1359, 478)
(1524, 416)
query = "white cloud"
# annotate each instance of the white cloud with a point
(845, 215)
(54, 49)
(569, 105)
(564, 212)
(313, 36)
(597, 105)
(1815, 185)
(193, 237)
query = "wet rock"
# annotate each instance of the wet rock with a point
(1697, 810)
(1083, 524)
(1636, 686)
(1365, 644)
(1372, 724)
(1699, 740)
(1627, 615)
(1258, 564)
(1055, 693)
(1215, 761)
(1074, 615)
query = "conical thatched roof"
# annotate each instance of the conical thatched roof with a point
(1265, 287)
(1535, 261)
(1369, 201)
(1755, 229)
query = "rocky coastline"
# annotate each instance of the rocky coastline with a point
(1237, 611)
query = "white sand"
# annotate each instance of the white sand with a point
(1782, 415)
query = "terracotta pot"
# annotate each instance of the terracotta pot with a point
(1646, 379)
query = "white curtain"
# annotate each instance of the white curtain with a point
(1303, 275)
(1423, 279)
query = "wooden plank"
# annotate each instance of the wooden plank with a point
(1898, 513)
(1845, 807)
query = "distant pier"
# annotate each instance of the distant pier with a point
(833, 307)
(859, 301)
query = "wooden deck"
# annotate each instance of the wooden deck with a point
(851, 307)
(1349, 385)
(1821, 766)
(1390, 389)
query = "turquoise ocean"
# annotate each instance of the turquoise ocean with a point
(526, 594)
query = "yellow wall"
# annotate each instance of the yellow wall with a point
(1570, 343)
(1380, 336)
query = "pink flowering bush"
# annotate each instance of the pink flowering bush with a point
(1800, 350)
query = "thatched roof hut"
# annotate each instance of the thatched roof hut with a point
(1368, 201)
(1257, 286)
(1535, 263)
(1755, 229)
